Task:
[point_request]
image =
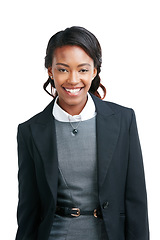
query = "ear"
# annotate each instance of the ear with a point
(50, 72)
(94, 73)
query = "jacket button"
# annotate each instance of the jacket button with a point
(105, 205)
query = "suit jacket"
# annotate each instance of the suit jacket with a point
(121, 181)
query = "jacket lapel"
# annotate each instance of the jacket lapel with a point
(107, 127)
(44, 136)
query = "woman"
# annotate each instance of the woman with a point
(80, 164)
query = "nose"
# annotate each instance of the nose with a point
(73, 78)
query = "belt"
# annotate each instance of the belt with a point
(76, 212)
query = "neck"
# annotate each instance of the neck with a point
(72, 109)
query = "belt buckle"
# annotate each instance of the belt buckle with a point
(76, 214)
(95, 213)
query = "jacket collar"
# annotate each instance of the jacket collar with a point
(102, 108)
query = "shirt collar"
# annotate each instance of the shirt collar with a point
(88, 112)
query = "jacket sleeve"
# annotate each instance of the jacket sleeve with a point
(136, 198)
(29, 203)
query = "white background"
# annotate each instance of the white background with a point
(129, 33)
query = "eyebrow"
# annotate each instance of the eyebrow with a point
(80, 65)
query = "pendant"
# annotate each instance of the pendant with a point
(74, 132)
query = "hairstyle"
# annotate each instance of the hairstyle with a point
(81, 37)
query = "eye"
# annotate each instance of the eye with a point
(62, 70)
(84, 70)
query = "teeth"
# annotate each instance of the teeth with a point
(73, 90)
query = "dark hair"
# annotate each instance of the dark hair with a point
(81, 37)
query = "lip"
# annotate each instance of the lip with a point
(73, 91)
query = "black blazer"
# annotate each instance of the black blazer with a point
(121, 182)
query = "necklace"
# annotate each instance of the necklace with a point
(75, 130)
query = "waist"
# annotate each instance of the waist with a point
(76, 212)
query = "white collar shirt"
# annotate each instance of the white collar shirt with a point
(88, 112)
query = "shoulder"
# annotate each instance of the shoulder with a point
(39, 117)
(119, 108)
(111, 107)
(126, 113)
(107, 108)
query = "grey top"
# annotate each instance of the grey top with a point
(77, 185)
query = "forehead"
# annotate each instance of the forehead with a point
(71, 54)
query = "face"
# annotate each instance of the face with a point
(72, 71)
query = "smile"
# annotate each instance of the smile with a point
(72, 91)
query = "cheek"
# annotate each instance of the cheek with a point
(88, 80)
(59, 79)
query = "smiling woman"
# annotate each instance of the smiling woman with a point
(80, 164)
(89, 47)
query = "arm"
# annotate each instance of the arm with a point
(136, 199)
(29, 204)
